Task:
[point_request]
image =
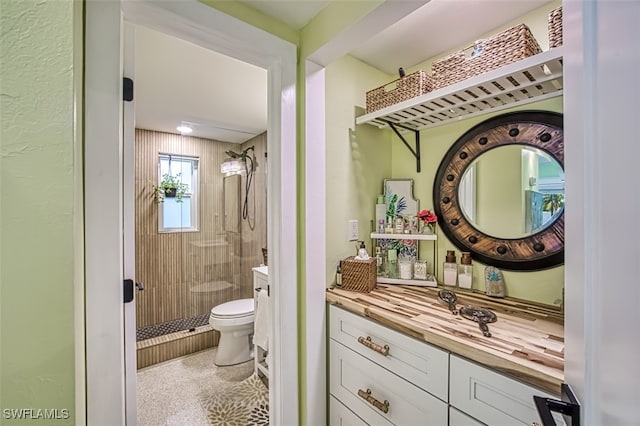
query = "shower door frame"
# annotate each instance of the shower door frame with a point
(207, 27)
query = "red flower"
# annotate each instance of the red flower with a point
(428, 216)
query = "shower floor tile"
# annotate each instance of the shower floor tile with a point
(169, 327)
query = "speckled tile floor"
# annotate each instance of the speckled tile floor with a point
(192, 391)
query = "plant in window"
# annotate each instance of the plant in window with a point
(171, 187)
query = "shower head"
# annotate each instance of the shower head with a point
(237, 162)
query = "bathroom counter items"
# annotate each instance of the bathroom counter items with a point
(527, 345)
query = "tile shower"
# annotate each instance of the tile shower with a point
(185, 274)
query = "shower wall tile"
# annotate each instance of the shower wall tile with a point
(186, 274)
(174, 346)
(172, 265)
(253, 240)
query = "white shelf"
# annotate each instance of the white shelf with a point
(422, 283)
(529, 80)
(423, 237)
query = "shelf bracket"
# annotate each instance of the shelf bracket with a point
(416, 151)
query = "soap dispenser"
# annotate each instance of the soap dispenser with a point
(465, 271)
(450, 268)
(362, 252)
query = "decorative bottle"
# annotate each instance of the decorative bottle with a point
(465, 271)
(339, 275)
(381, 212)
(379, 269)
(392, 263)
(450, 268)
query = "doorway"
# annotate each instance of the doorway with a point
(209, 28)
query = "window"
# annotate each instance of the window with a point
(175, 215)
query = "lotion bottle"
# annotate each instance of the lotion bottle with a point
(465, 271)
(392, 263)
(450, 269)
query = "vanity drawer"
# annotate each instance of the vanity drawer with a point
(369, 390)
(492, 398)
(422, 364)
(458, 418)
(341, 415)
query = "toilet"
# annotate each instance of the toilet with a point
(234, 321)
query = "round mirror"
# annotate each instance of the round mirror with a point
(499, 191)
(525, 197)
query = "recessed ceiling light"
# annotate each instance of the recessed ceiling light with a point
(185, 130)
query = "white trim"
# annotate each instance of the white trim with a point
(103, 214)
(209, 28)
(129, 237)
(601, 154)
(315, 247)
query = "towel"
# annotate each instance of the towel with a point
(261, 324)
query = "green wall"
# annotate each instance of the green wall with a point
(38, 211)
(357, 157)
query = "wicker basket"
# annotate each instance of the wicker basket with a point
(555, 27)
(412, 85)
(509, 46)
(358, 275)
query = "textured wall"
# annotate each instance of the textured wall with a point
(37, 187)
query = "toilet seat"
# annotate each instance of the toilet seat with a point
(234, 309)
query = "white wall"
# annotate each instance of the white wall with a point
(602, 231)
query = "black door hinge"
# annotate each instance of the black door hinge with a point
(127, 89)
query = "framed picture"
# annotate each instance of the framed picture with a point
(398, 196)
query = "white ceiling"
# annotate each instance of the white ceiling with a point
(178, 82)
(225, 99)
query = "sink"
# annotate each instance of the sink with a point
(264, 270)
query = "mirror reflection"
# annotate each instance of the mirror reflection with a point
(512, 191)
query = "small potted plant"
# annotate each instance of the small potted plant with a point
(170, 187)
(428, 220)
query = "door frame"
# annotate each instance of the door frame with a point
(209, 28)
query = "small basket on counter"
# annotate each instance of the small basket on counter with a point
(359, 275)
(407, 87)
(555, 28)
(504, 48)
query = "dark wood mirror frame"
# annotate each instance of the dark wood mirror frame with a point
(544, 249)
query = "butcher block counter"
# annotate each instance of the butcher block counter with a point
(527, 344)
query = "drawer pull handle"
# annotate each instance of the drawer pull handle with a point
(366, 395)
(366, 341)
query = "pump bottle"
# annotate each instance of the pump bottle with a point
(465, 271)
(450, 268)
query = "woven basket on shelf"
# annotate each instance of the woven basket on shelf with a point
(506, 47)
(555, 27)
(411, 85)
(358, 275)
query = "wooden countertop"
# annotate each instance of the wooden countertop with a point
(524, 344)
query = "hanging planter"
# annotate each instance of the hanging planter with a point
(170, 187)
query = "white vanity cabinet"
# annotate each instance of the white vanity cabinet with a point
(458, 418)
(260, 282)
(385, 377)
(379, 376)
(492, 398)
